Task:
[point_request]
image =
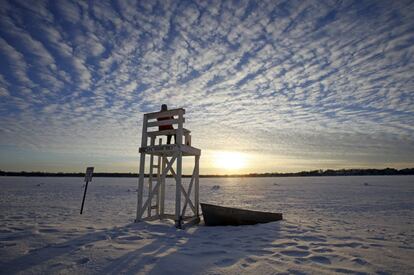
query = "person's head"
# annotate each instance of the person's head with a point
(164, 107)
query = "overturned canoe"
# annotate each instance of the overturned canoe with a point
(219, 215)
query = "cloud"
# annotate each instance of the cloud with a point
(16, 62)
(305, 80)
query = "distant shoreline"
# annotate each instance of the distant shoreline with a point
(314, 173)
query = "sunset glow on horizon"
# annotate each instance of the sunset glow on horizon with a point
(230, 161)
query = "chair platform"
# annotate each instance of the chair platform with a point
(170, 150)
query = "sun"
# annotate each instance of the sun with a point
(230, 160)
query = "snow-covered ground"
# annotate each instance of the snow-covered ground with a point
(332, 224)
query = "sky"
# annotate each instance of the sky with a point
(267, 85)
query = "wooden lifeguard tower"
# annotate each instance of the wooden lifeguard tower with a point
(161, 162)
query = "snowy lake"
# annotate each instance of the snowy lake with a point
(353, 225)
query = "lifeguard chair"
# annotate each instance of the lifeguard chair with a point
(161, 162)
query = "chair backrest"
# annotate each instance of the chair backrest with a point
(150, 121)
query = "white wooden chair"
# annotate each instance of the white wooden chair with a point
(162, 159)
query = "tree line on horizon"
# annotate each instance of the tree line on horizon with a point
(313, 173)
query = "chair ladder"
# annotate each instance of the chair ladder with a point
(155, 168)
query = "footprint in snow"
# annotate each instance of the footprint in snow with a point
(48, 230)
(250, 260)
(295, 253)
(225, 262)
(131, 238)
(322, 250)
(82, 261)
(320, 260)
(359, 261)
(350, 244)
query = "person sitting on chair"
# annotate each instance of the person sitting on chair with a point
(166, 127)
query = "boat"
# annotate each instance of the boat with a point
(219, 215)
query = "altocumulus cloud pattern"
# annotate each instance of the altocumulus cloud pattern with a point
(330, 82)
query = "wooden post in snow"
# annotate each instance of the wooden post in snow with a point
(88, 178)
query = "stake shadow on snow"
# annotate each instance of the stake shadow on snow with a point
(50, 251)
